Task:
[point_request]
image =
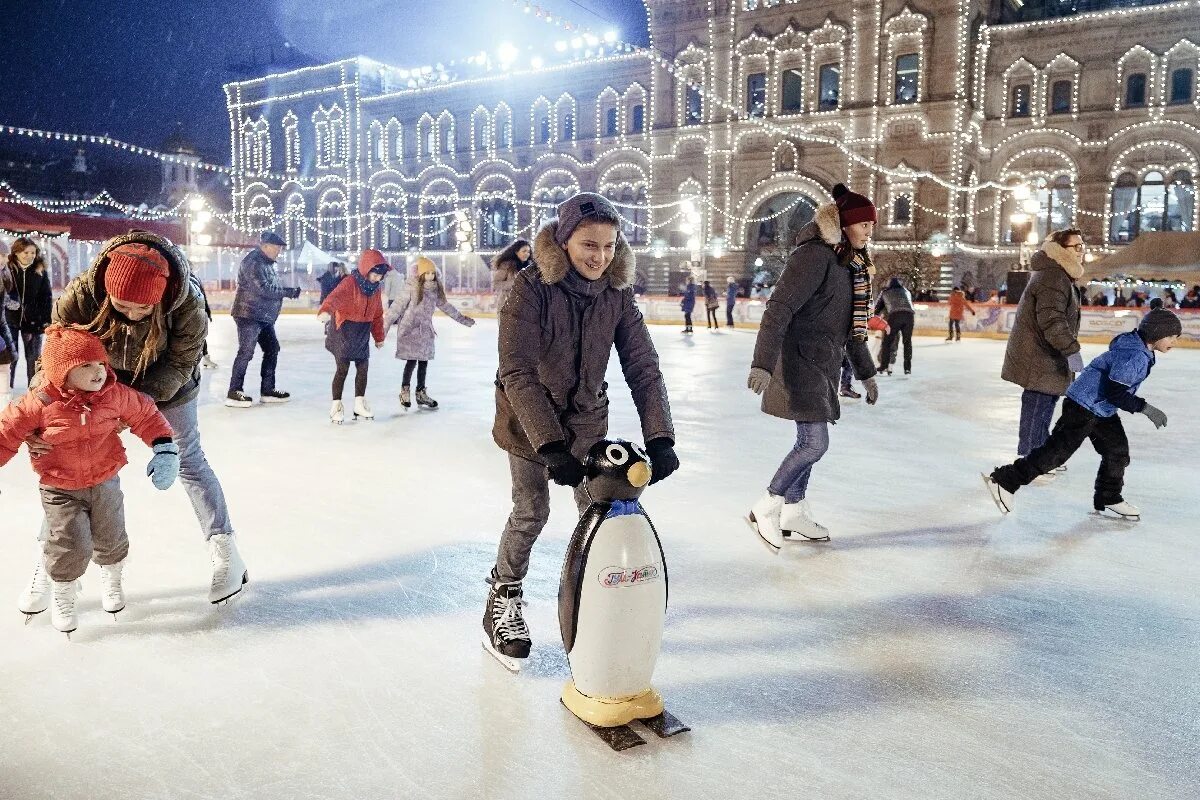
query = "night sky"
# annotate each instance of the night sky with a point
(135, 68)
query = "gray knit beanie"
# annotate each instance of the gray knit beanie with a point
(1159, 324)
(583, 207)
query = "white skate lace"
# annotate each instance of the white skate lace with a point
(64, 602)
(507, 620)
(40, 580)
(112, 583)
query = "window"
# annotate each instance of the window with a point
(505, 134)
(637, 119)
(1154, 205)
(902, 210)
(499, 218)
(447, 140)
(611, 128)
(694, 112)
(1135, 90)
(1019, 102)
(1181, 86)
(544, 129)
(430, 142)
(566, 129)
(829, 87)
(908, 70)
(756, 94)
(791, 92)
(480, 139)
(1060, 97)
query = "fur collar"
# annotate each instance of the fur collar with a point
(826, 226)
(1065, 258)
(553, 264)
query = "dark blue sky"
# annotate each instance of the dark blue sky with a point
(134, 68)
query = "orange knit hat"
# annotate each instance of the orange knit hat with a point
(67, 348)
(136, 273)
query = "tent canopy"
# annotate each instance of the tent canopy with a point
(1165, 256)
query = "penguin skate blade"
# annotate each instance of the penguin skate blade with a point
(665, 725)
(511, 664)
(772, 549)
(621, 737)
(1106, 514)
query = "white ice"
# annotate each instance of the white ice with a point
(931, 650)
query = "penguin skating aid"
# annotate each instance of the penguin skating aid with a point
(612, 602)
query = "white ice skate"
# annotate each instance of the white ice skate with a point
(764, 521)
(1046, 479)
(112, 595)
(1123, 510)
(796, 518)
(362, 410)
(229, 571)
(1002, 498)
(36, 597)
(62, 610)
(207, 362)
(337, 413)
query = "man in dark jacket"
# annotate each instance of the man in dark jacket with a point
(896, 304)
(731, 293)
(1042, 356)
(558, 326)
(256, 307)
(819, 310)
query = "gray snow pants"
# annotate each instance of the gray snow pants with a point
(85, 524)
(531, 510)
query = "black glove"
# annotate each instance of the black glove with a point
(663, 460)
(292, 292)
(563, 468)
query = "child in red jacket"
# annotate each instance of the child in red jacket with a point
(81, 409)
(958, 304)
(353, 315)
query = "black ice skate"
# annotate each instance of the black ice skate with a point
(276, 396)
(424, 400)
(1000, 496)
(405, 397)
(505, 634)
(238, 399)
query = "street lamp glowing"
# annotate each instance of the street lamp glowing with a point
(204, 239)
(1021, 191)
(196, 203)
(610, 36)
(1031, 205)
(507, 53)
(576, 43)
(1032, 238)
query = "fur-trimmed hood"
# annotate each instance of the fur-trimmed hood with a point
(1054, 252)
(826, 226)
(553, 264)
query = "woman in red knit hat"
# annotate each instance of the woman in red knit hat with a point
(142, 302)
(81, 409)
(353, 315)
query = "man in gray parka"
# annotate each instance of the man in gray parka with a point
(558, 326)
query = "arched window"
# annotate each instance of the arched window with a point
(1135, 90)
(1181, 86)
(1060, 97)
(1154, 204)
(291, 142)
(902, 210)
(497, 223)
(502, 128)
(1018, 105)
(293, 212)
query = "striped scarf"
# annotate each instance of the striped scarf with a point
(860, 269)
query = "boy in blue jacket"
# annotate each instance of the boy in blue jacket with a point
(1107, 385)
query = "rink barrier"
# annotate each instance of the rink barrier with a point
(1098, 324)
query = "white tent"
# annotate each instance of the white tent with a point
(310, 254)
(1155, 255)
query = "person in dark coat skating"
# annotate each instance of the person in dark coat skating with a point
(688, 304)
(256, 307)
(731, 293)
(28, 304)
(896, 303)
(330, 278)
(353, 315)
(819, 310)
(557, 332)
(711, 304)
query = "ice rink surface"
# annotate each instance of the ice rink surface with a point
(931, 650)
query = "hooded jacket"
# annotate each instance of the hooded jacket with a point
(259, 295)
(173, 378)
(959, 305)
(1111, 381)
(895, 299)
(555, 347)
(348, 303)
(84, 429)
(807, 326)
(1046, 328)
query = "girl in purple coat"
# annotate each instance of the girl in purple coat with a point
(415, 333)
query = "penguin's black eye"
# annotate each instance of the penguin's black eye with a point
(617, 454)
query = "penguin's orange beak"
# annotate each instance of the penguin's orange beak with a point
(639, 474)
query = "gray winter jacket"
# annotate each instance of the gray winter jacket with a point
(550, 386)
(1046, 329)
(807, 326)
(893, 299)
(259, 294)
(414, 320)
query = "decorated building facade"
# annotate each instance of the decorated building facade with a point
(718, 140)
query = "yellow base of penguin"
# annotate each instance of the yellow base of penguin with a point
(611, 712)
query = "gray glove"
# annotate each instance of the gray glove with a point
(1075, 362)
(759, 380)
(872, 391)
(1156, 416)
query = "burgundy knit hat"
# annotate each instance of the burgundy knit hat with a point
(852, 207)
(137, 273)
(67, 348)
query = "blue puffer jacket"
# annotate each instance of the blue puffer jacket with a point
(1111, 381)
(731, 293)
(688, 303)
(259, 294)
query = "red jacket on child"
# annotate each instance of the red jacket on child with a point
(84, 429)
(958, 302)
(347, 303)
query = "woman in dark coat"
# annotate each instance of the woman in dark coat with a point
(819, 310)
(353, 314)
(688, 303)
(711, 303)
(27, 305)
(505, 266)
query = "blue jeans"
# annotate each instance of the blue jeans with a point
(250, 333)
(847, 373)
(1037, 412)
(791, 479)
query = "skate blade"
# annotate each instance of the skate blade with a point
(364, 419)
(994, 491)
(799, 536)
(511, 664)
(620, 737)
(1106, 514)
(665, 725)
(267, 401)
(772, 549)
(29, 615)
(227, 598)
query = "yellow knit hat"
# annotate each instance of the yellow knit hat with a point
(424, 265)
